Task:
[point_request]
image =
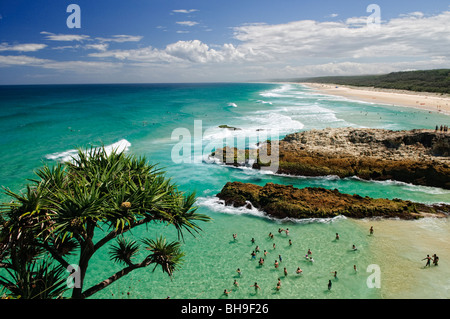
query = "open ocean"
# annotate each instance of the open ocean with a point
(45, 123)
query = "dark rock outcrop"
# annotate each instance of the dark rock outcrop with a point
(420, 157)
(281, 201)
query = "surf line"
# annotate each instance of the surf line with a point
(189, 147)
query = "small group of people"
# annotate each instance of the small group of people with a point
(435, 259)
(442, 128)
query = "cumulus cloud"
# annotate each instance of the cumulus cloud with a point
(193, 51)
(411, 35)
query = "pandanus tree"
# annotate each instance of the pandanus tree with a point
(96, 193)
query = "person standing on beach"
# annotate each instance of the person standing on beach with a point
(428, 259)
(276, 263)
(285, 272)
(337, 236)
(371, 230)
(329, 284)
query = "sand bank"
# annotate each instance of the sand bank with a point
(426, 101)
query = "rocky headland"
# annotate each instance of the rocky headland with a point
(420, 157)
(286, 201)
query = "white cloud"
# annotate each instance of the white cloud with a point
(64, 37)
(10, 60)
(187, 23)
(25, 47)
(75, 66)
(120, 38)
(263, 51)
(100, 47)
(401, 37)
(184, 11)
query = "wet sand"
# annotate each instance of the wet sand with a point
(399, 246)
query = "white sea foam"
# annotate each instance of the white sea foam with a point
(218, 205)
(67, 156)
(407, 186)
(264, 102)
(232, 104)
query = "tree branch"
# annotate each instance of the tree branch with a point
(115, 233)
(54, 253)
(105, 283)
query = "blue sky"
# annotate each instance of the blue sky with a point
(217, 40)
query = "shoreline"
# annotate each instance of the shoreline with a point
(431, 102)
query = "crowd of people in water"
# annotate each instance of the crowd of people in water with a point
(434, 259)
(277, 262)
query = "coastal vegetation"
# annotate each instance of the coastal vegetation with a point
(71, 211)
(434, 81)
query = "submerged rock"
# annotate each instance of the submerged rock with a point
(281, 201)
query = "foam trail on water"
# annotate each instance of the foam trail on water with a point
(218, 205)
(67, 156)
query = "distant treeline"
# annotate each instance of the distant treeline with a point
(436, 81)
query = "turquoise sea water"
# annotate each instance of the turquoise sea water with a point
(44, 124)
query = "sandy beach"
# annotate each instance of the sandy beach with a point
(426, 101)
